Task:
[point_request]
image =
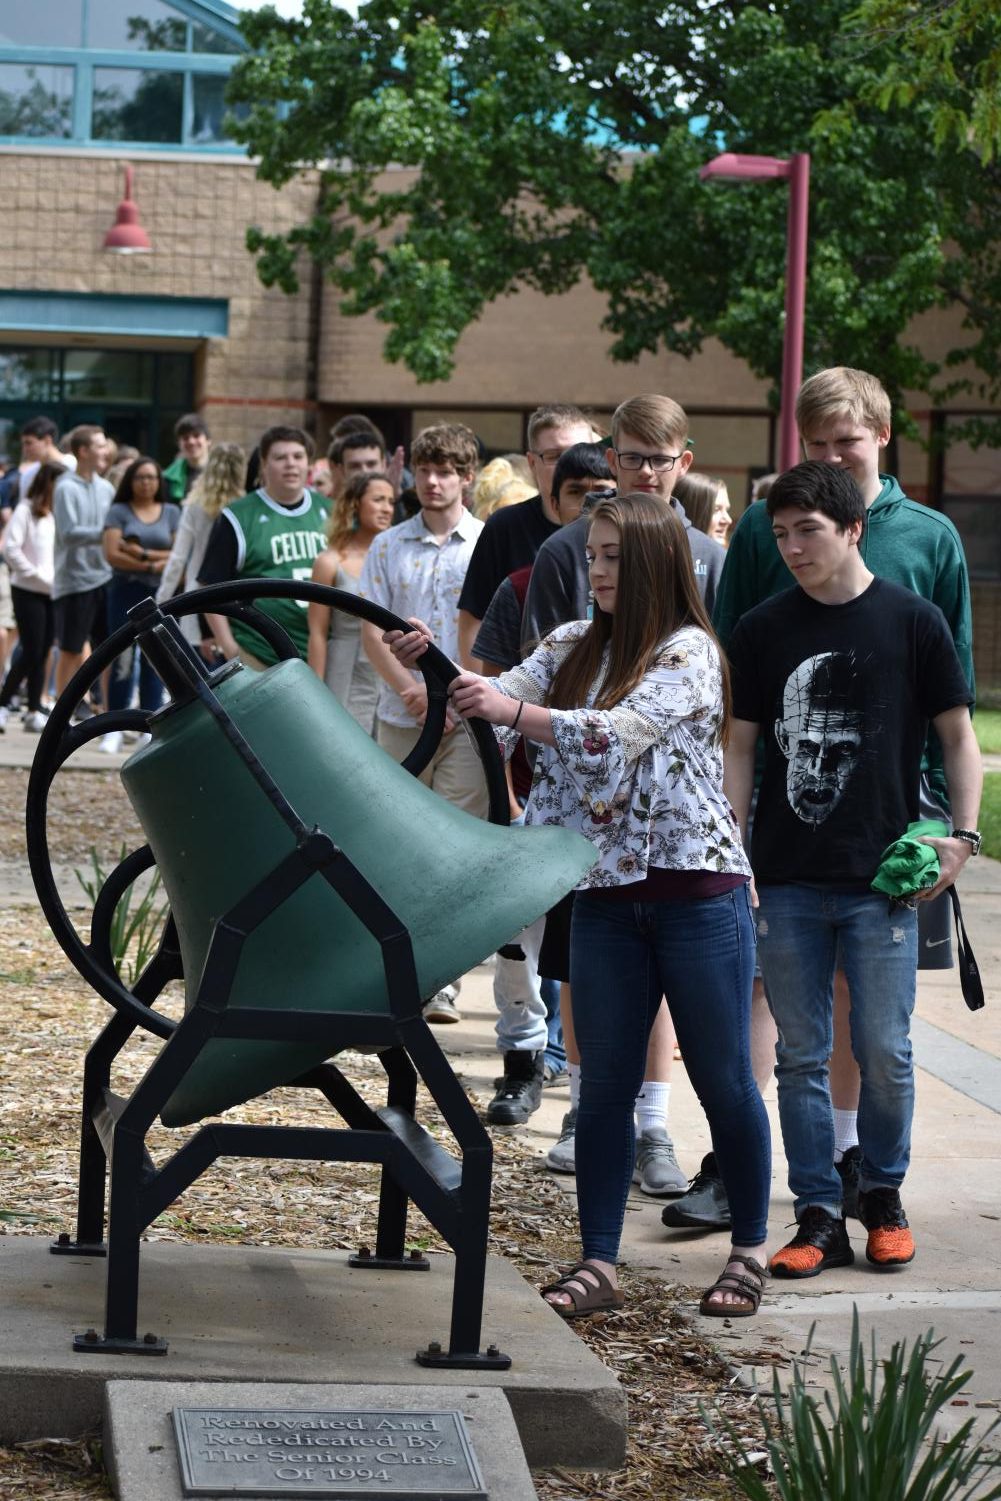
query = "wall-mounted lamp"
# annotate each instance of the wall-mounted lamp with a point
(127, 236)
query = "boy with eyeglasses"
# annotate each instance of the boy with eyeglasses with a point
(649, 450)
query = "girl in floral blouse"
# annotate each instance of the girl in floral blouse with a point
(631, 713)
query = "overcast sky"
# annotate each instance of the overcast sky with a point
(283, 7)
(288, 7)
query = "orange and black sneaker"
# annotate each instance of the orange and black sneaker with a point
(820, 1241)
(890, 1242)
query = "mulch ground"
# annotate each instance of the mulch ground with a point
(48, 1018)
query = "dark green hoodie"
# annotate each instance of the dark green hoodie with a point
(903, 541)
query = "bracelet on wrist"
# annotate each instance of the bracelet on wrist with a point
(514, 722)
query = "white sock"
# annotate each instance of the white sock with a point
(845, 1132)
(573, 1069)
(651, 1106)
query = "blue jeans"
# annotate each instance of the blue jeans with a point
(123, 593)
(803, 932)
(556, 1053)
(623, 957)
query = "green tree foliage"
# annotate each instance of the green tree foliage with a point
(947, 52)
(533, 141)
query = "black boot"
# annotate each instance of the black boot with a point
(520, 1091)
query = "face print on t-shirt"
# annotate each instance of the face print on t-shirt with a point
(820, 733)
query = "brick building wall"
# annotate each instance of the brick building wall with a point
(58, 207)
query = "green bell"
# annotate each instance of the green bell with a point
(462, 886)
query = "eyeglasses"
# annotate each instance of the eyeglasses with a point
(548, 455)
(660, 463)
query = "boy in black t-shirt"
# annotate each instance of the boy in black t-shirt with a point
(842, 675)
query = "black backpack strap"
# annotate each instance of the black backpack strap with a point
(969, 971)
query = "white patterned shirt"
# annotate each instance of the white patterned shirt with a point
(412, 571)
(643, 781)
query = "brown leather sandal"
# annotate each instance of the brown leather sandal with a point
(750, 1289)
(586, 1297)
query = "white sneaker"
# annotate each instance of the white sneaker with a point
(35, 722)
(4, 716)
(561, 1157)
(111, 743)
(441, 1007)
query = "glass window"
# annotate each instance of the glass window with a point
(123, 375)
(500, 432)
(36, 100)
(29, 375)
(978, 520)
(131, 104)
(204, 39)
(55, 23)
(174, 381)
(210, 110)
(135, 26)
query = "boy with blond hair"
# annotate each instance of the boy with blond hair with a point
(844, 419)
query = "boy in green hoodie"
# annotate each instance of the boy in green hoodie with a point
(843, 416)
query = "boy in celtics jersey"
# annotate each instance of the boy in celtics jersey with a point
(275, 532)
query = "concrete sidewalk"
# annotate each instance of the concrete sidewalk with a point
(952, 1195)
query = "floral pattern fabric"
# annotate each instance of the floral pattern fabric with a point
(643, 781)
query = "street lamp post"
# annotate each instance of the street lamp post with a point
(734, 167)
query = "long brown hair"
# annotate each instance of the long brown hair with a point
(656, 596)
(40, 490)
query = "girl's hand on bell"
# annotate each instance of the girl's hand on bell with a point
(473, 698)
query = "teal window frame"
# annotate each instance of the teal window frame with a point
(217, 17)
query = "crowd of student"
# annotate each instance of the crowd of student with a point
(788, 706)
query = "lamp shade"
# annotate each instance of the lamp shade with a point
(127, 235)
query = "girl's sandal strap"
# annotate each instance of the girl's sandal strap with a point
(749, 1288)
(586, 1297)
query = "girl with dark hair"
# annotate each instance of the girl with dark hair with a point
(139, 531)
(631, 712)
(335, 651)
(28, 548)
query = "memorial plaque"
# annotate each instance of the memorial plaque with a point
(275, 1453)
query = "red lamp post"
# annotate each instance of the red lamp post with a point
(733, 167)
(127, 236)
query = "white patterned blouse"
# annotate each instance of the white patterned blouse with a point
(643, 781)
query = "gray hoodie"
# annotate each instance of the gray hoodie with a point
(79, 507)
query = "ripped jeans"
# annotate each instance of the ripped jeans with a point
(803, 931)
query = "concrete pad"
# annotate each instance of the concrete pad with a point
(241, 1313)
(141, 1453)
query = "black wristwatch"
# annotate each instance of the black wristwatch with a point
(972, 837)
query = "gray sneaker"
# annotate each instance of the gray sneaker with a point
(560, 1157)
(657, 1171)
